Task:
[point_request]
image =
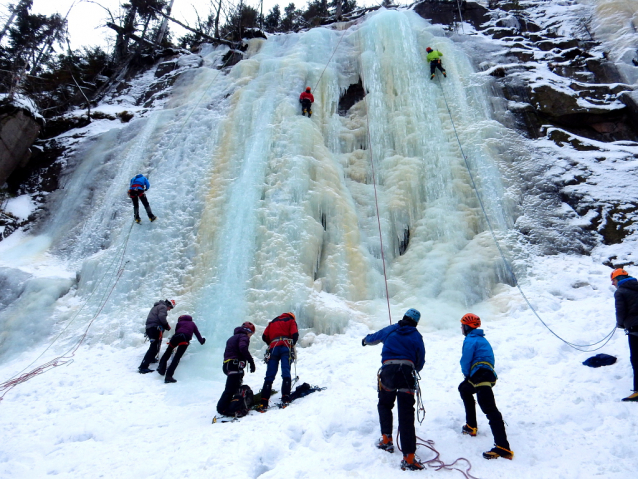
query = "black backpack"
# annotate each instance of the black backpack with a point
(242, 402)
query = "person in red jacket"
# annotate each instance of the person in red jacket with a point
(280, 335)
(184, 331)
(306, 99)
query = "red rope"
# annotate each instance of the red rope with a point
(376, 199)
(436, 463)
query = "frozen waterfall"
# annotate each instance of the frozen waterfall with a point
(263, 211)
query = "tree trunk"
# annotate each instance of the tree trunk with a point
(164, 27)
(11, 17)
(219, 8)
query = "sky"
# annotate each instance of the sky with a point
(86, 20)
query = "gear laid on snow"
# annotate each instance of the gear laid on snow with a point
(139, 184)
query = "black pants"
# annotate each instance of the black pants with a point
(155, 338)
(175, 342)
(306, 106)
(397, 382)
(136, 205)
(235, 376)
(485, 397)
(434, 64)
(633, 357)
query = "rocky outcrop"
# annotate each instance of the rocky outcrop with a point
(447, 13)
(18, 131)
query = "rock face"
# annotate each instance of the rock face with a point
(18, 131)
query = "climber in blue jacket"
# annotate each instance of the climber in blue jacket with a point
(477, 365)
(137, 189)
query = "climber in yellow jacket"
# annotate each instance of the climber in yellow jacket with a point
(434, 57)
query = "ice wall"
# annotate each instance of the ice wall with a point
(263, 211)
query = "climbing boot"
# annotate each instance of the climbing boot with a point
(161, 370)
(386, 444)
(144, 370)
(309, 113)
(445, 74)
(263, 406)
(469, 430)
(138, 219)
(152, 218)
(411, 463)
(498, 451)
(432, 76)
(169, 379)
(632, 398)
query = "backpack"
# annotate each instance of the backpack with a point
(241, 403)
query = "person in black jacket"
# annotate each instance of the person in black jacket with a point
(626, 297)
(184, 331)
(236, 355)
(156, 324)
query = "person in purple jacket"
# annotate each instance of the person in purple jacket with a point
(236, 356)
(184, 331)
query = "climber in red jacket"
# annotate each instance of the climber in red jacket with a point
(306, 99)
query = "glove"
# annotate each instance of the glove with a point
(203, 341)
(168, 328)
(363, 342)
(252, 366)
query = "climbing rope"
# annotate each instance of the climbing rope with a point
(329, 59)
(67, 357)
(436, 463)
(579, 347)
(376, 199)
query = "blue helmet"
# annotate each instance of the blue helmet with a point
(413, 314)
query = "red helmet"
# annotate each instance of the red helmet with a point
(472, 320)
(428, 49)
(308, 89)
(618, 272)
(248, 325)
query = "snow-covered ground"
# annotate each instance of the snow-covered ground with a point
(97, 417)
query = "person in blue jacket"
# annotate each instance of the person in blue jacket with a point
(403, 353)
(477, 364)
(139, 184)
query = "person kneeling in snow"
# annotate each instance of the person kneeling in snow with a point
(236, 356)
(181, 339)
(626, 297)
(403, 353)
(477, 364)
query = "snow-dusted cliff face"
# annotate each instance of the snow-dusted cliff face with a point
(262, 210)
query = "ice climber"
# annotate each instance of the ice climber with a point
(626, 297)
(403, 353)
(156, 324)
(306, 99)
(477, 364)
(184, 330)
(434, 57)
(236, 356)
(139, 184)
(280, 335)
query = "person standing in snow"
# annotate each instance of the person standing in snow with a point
(156, 324)
(280, 335)
(139, 184)
(403, 353)
(306, 99)
(236, 355)
(626, 298)
(477, 364)
(434, 57)
(184, 331)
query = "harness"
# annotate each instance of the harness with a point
(398, 362)
(483, 383)
(240, 366)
